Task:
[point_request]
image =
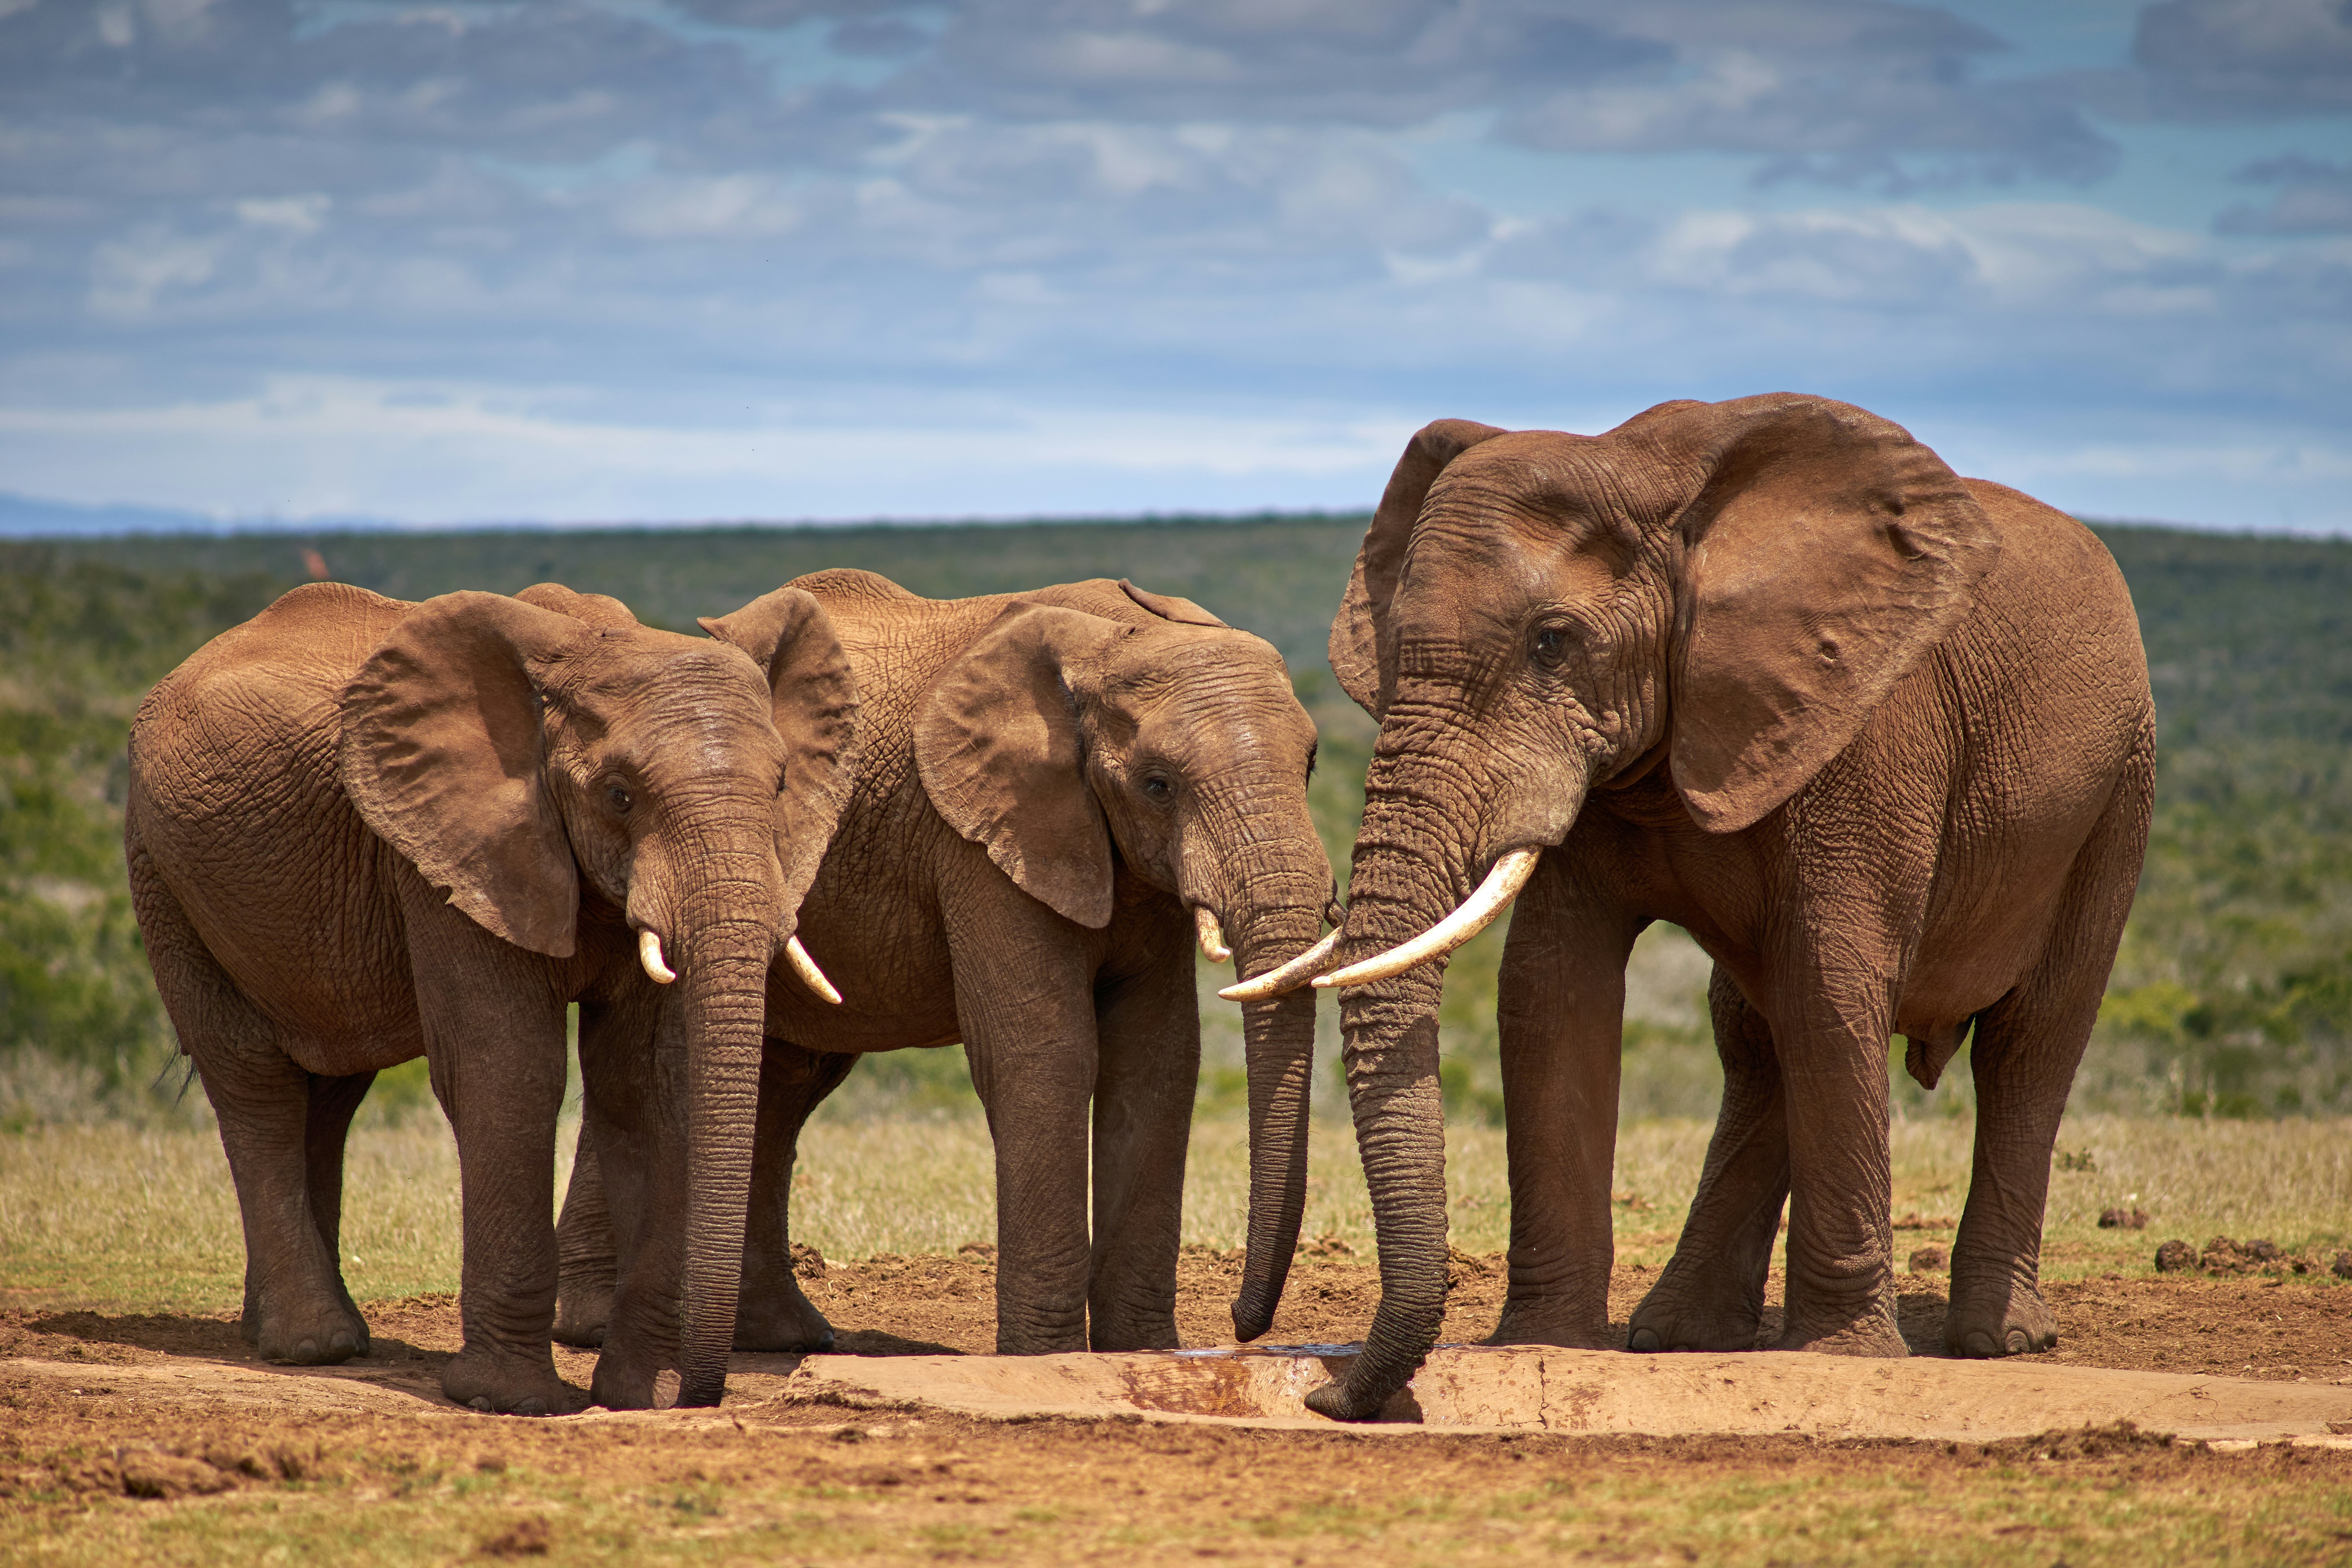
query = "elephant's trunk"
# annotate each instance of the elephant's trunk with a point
(1410, 868)
(725, 980)
(1278, 1036)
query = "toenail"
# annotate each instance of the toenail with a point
(305, 1350)
(1979, 1344)
(2019, 1343)
(480, 1401)
(534, 1405)
(1645, 1340)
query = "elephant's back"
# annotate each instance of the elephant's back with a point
(2057, 586)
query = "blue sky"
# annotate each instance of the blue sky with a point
(692, 258)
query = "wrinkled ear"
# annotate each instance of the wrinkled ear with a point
(441, 753)
(1365, 672)
(1168, 607)
(595, 609)
(788, 633)
(1825, 552)
(997, 743)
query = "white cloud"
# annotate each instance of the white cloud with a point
(309, 446)
(295, 215)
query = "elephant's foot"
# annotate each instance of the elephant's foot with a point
(1043, 1329)
(1714, 1316)
(1872, 1332)
(628, 1381)
(583, 1310)
(782, 1321)
(509, 1384)
(1549, 1322)
(2009, 1320)
(321, 1335)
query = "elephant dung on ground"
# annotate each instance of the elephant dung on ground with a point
(1057, 792)
(1878, 737)
(360, 830)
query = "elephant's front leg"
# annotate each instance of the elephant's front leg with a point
(1025, 993)
(1560, 1014)
(1148, 1068)
(771, 1313)
(494, 1034)
(1831, 1041)
(1711, 1297)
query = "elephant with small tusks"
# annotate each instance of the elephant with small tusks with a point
(1058, 793)
(1878, 737)
(361, 830)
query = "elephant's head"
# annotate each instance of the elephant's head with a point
(1097, 724)
(1726, 590)
(512, 748)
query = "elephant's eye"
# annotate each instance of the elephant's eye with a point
(1549, 646)
(1158, 786)
(619, 798)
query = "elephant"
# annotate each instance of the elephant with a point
(1057, 792)
(360, 830)
(1878, 737)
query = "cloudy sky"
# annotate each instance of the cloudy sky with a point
(689, 258)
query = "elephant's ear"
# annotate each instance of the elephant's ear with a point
(998, 745)
(1168, 607)
(441, 753)
(1359, 658)
(1825, 552)
(788, 633)
(595, 609)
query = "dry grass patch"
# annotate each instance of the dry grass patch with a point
(108, 1216)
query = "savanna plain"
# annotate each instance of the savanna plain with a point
(2216, 1102)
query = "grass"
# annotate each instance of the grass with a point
(116, 1217)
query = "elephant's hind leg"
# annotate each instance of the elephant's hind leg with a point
(773, 1313)
(2026, 1049)
(282, 1128)
(1711, 1296)
(585, 1260)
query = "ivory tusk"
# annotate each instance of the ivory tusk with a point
(649, 954)
(1289, 977)
(811, 975)
(1476, 914)
(1212, 935)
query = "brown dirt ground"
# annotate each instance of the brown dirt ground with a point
(61, 1448)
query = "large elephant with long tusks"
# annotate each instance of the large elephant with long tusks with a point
(1877, 736)
(1058, 795)
(361, 830)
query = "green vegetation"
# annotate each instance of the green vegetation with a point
(145, 1219)
(2233, 995)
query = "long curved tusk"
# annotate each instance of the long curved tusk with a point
(649, 954)
(811, 975)
(1476, 914)
(1212, 935)
(1289, 977)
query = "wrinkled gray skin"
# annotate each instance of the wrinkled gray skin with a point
(1878, 737)
(360, 830)
(1048, 784)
